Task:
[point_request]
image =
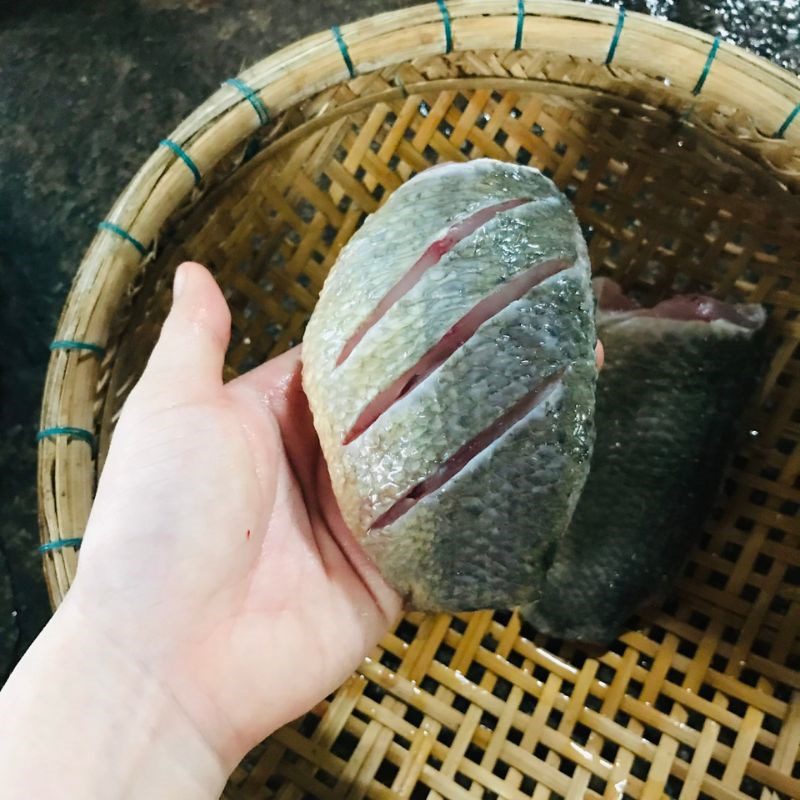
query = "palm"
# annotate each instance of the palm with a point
(313, 604)
(215, 512)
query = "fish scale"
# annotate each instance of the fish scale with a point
(385, 248)
(459, 508)
(420, 215)
(485, 539)
(527, 342)
(496, 252)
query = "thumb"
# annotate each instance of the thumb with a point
(186, 363)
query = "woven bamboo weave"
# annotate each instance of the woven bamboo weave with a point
(681, 157)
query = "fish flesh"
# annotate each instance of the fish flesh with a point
(449, 366)
(676, 378)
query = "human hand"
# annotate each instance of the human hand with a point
(215, 556)
(219, 593)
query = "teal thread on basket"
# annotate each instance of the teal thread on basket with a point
(520, 24)
(781, 132)
(73, 433)
(712, 54)
(58, 544)
(258, 104)
(612, 48)
(74, 344)
(337, 34)
(105, 225)
(183, 156)
(448, 31)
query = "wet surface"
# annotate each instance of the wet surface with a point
(87, 89)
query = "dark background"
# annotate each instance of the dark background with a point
(87, 90)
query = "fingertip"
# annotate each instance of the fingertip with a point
(189, 271)
(186, 362)
(277, 377)
(197, 298)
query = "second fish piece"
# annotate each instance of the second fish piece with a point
(675, 380)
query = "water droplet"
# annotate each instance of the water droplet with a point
(582, 750)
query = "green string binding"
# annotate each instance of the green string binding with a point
(73, 433)
(105, 225)
(183, 156)
(73, 344)
(258, 104)
(707, 67)
(337, 34)
(448, 31)
(781, 132)
(58, 544)
(612, 48)
(520, 24)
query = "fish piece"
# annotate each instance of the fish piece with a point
(675, 380)
(449, 365)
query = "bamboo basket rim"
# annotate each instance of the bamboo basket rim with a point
(169, 177)
(649, 68)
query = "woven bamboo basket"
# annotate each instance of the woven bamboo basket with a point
(681, 157)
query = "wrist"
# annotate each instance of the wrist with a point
(97, 724)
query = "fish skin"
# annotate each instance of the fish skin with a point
(450, 192)
(481, 380)
(470, 271)
(404, 231)
(668, 399)
(484, 538)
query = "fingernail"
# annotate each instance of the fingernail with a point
(179, 283)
